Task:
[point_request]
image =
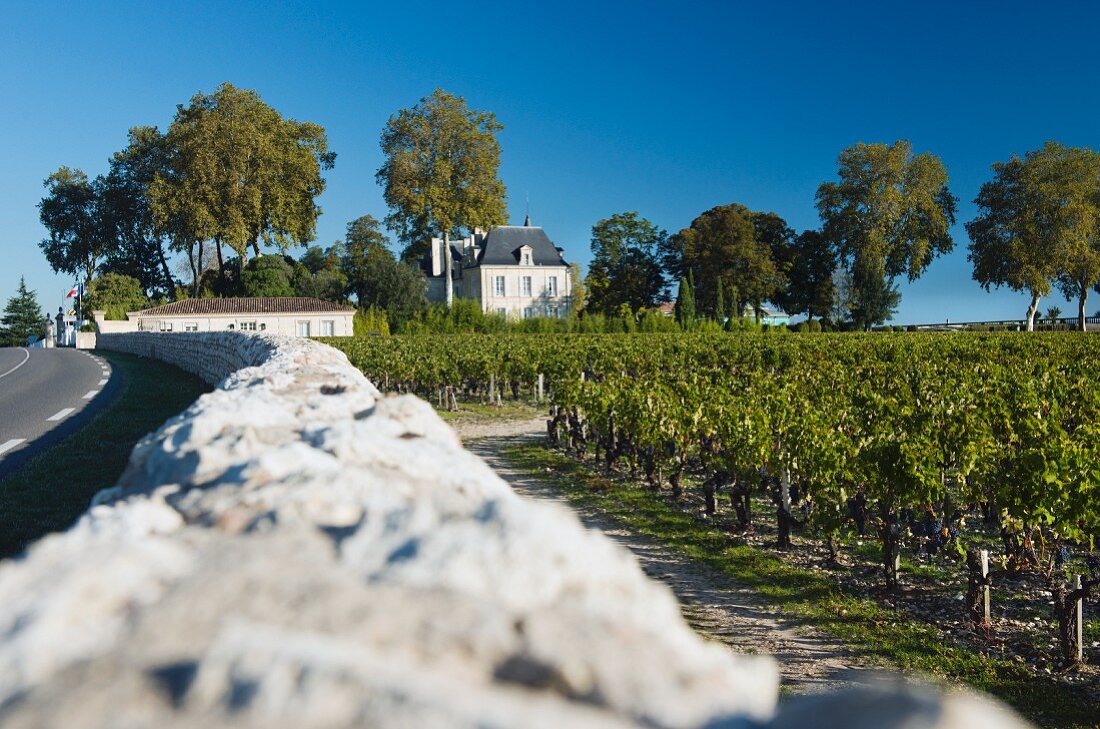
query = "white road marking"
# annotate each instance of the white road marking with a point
(61, 414)
(5, 447)
(90, 394)
(103, 382)
(26, 356)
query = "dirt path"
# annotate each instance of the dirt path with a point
(713, 604)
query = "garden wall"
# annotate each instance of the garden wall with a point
(297, 550)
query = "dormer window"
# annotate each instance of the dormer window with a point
(525, 256)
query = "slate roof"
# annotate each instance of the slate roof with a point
(249, 305)
(503, 243)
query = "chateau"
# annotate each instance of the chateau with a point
(513, 270)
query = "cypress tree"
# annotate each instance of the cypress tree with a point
(685, 304)
(22, 318)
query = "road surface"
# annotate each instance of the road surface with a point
(45, 395)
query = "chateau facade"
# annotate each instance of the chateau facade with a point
(513, 270)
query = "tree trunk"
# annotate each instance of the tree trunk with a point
(221, 261)
(1034, 307)
(888, 535)
(194, 267)
(256, 247)
(784, 509)
(1081, 301)
(169, 284)
(449, 283)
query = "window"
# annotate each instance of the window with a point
(190, 326)
(552, 286)
(498, 285)
(263, 327)
(526, 288)
(303, 329)
(165, 326)
(248, 326)
(328, 328)
(526, 258)
(502, 311)
(528, 312)
(230, 327)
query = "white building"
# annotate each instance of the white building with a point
(513, 270)
(291, 315)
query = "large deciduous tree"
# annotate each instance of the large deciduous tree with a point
(139, 246)
(376, 278)
(72, 212)
(1037, 224)
(888, 215)
(115, 294)
(730, 249)
(22, 318)
(808, 263)
(625, 267)
(239, 174)
(440, 174)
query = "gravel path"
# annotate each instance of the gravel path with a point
(713, 604)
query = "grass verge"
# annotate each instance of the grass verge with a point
(812, 598)
(49, 492)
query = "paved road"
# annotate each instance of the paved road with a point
(46, 394)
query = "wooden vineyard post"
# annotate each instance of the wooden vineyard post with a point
(539, 390)
(985, 586)
(492, 388)
(1080, 620)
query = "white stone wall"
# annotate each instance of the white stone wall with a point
(297, 550)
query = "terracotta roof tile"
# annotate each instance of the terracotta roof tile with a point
(250, 305)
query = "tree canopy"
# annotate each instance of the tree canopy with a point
(240, 174)
(1037, 225)
(72, 212)
(115, 294)
(888, 215)
(729, 252)
(626, 268)
(440, 173)
(22, 318)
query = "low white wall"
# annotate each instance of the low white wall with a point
(297, 550)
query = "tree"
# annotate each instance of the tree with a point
(1037, 224)
(808, 265)
(116, 294)
(685, 304)
(72, 213)
(269, 275)
(1069, 184)
(240, 174)
(625, 267)
(138, 246)
(22, 318)
(364, 245)
(441, 174)
(1053, 312)
(578, 292)
(888, 215)
(730, 247)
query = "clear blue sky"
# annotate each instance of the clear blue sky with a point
(668, 108)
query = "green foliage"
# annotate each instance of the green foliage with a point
(269, 275)
(240, 174)
(371, 320)
(888, 215)
(1037, 224)
(22, 319)
(808, 263)
(729, 249)
(441, 171)
(625, 267)
(115, 294)
(685, 304)
(72, 212)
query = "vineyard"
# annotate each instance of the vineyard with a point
(932, 446)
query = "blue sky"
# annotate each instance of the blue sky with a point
(661, 107)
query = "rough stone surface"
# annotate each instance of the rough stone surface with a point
(298, 550)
